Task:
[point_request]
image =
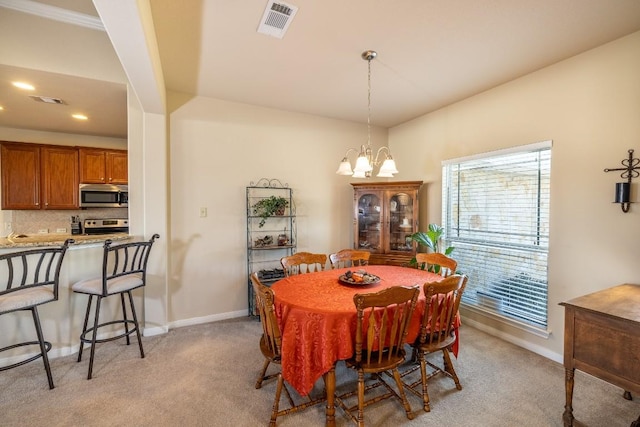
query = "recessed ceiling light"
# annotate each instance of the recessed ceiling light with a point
(80, 117)
(1, 108)
(23, 85)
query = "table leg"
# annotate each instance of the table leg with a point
(567, 416)
(330, 386)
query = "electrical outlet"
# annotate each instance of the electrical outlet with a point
(43, 231)
(7, 226)
(61, 230)
(203, 212)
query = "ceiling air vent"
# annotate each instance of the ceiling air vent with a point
(276, 18)
(46, 99)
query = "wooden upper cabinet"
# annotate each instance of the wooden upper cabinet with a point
(20, 164)
(36, 176)
(92, 166)
(117, 165)
(100, 166)
(59, 177)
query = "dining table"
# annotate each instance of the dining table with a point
(317, 319)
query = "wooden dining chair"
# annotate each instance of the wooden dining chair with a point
(349, 258)
(437, 333)
(437, 262)
(381, 329)
(303, 262)
(270, 345)
(28, 279)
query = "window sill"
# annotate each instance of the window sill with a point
(542, 333)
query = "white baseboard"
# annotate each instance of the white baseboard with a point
(157, 330)
(147, 332)
(514, 340)
(208, 319)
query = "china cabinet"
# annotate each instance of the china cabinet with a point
(271, 231)
(385, 215)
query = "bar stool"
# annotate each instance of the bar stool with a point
(124, 268)
(28, 279)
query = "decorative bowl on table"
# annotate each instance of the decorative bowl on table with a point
(358, 278)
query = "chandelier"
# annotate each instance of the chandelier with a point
(365, 161)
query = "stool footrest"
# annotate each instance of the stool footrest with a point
(47, 346)
(86, 340)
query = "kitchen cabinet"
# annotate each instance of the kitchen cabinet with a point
(39, 177)
(59, 177)
(268, 238)
(100, 166)
(20, 168)
(385, 215)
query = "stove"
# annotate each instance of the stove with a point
(106, 226)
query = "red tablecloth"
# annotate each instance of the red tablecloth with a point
(317, 318)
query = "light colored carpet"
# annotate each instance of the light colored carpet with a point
(204, 376)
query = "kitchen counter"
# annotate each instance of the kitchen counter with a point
(34, 240)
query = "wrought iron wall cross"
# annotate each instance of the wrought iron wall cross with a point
(630, 170)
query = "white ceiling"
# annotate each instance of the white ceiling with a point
(67, 61)
(430, 53)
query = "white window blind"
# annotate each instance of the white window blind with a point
(496, 215)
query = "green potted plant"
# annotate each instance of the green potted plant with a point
(431, 239)
(273, 205)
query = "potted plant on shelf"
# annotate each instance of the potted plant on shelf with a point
(273, 205)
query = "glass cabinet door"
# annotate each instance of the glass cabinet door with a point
(369, 224)
(401, 221)
(385, 216)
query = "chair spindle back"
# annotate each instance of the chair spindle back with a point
(349, 258)
(265, 306)
(437, 263)
(382, 321)
(125, 259)
(303, 262)
(32, 268)
(442, 303)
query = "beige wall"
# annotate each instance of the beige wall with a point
(217, 149)
(589, 105)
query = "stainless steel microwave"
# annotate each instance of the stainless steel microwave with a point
(104, 196)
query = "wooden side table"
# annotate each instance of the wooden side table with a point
(602, 338)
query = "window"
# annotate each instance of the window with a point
(496, 215)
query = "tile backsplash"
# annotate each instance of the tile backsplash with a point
(32, 221)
